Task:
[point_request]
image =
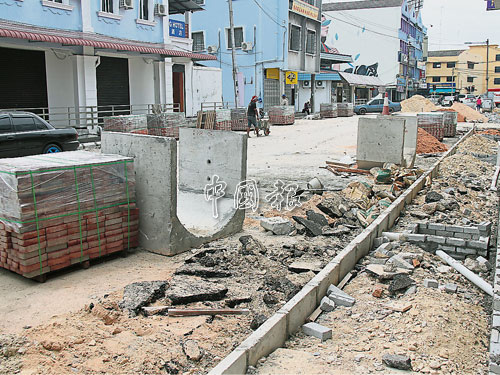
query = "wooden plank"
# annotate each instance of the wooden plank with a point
(196, 312)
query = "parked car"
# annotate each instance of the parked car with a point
(435, 99)
(376, 106)
(24, 133)
(447, 101)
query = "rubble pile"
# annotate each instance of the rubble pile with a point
(468, 113)
(493, 116)
(417, 103)
(478, 145)
(427, 144)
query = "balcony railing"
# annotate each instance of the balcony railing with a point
(91, 116)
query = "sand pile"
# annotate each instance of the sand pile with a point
(468, 113)
(427, 144)
(417, 103)
(478, 144)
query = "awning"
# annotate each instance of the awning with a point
(359, 80)
(336, 57)
(323, 76)
(80, 39)
(182, 6)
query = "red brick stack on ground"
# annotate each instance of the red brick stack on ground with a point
(66, 208)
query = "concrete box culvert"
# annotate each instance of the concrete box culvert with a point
(343, 263)
(174, 214)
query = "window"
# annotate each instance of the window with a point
(238, 37)
(497, 69)
(450, 65)
(497, 58)
(377, 102)
(200, 2)
(470, 79)
(496, 81)
(470, 65)
(450, 79)
(198, 41)
(107, 6)
(55, 1)
(23, 123)
(311, 42)
(5, 125)
(144, 9)
(294, 38)
(40, 125)
(436, 65)
(436, 79)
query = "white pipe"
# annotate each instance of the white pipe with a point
(471, 276)
(394, 236)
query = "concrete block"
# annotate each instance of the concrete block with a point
(454, 228)
(413, 228)
(496, 321)
(483, 262)
(457, 256)
(455, 241)
(317, 330)
(340, 297)
(427, 231)
(443, 233)
(451, 288)
(387, 147)
(234, 363)
(436, 239)
(327, 304)
(494, 369)
(436, 226)
(477, 244)
(447, 249)
(495, 335)
(379, 241)
(471, 230)
(475, 236)
(327, 276)
(417, 237)
(277, 225)
(465, 236)
(494, 348)
(431, 283)
(398, 261)
(422, 226)
(466, 251)
(485, 226)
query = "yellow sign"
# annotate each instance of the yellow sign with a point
(273, 73)
(292, 78)
(305, 9)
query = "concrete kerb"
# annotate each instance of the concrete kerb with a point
(313, 291)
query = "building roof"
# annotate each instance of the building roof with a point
(361, 4)
(76, 38)
(445, 53)
(359, 80)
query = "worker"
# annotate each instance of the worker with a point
(479, 102)
(307, 108)
(252, 116)
(284, 100)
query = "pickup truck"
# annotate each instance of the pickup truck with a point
(376, 106)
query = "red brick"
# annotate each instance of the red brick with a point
(31, 268)
(113, 221)
(114, 238)
(56, 229)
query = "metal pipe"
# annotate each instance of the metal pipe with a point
(471, 276)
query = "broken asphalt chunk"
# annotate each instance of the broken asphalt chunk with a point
(186, 289)
(317, 218)
(312, 229)
(400, 362)
(139, 294)
(399, 283)
(195, 270)
(300, 266)
(251, 246)
(278, 225)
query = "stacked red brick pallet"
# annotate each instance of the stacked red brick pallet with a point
(162, 124)
(282, 115)
(62, 209)
(239, 119)
(432, 123)
(450, 123)
(345, 109)
(223, 119)
(328, 110)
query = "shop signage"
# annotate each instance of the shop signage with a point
(273, 73)
(292, 78)
(308, 10)
(177, 28)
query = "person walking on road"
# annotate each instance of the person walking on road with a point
(479, 102)
(252, 116)
(284, 100)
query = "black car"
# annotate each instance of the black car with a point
(24, 133)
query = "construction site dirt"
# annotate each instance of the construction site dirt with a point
(76, 322)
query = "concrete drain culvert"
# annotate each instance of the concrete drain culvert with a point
(171, 184)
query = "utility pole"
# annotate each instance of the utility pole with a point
(487, 64)
(407, 75)
(233, 54)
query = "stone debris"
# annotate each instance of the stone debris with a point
(312, 228)
(316, 218)
(257, 321)
(327, 304)
(137, 295)
(400, 283)
(300, 266)
(251, 246)
(317, 330)
(400, 362)
(197, 270)
(451, 288)
(278, 225)
(192, 350)
(431, 283)
(339, 296)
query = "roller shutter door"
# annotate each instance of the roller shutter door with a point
(23, 79)
(113, 86)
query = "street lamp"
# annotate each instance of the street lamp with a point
(487, 60)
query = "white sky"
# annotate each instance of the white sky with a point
(450, 23)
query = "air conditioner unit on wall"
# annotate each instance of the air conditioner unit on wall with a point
(126, 4)
(306, 84)
(320, 84)
(246, 46)
(212, 49)
(160, 10)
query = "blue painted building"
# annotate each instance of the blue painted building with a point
(70, 59)
(273, 38)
